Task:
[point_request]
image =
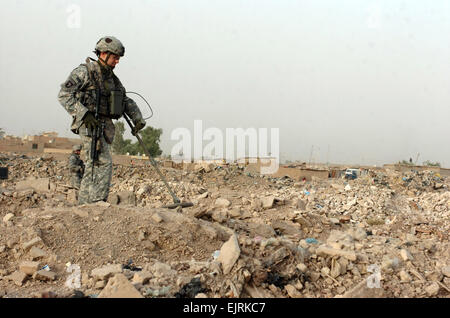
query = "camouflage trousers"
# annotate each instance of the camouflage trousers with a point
(75, 181)
(95, 187)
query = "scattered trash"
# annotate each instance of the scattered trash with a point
(306, 192)
(216, 254)
(157, 292)
(46, 268)
(191, 289)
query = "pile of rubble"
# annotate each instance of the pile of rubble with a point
(380, 235)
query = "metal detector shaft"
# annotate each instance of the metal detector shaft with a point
(152, 161)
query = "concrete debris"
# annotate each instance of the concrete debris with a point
(142, 277)
(229, 253)
(44, 275)
(104, 272)
(433, 289)
(292, 291)
(8, 217)
(248, 235)
(325, 250)
(446, 271)
(222, 203)
(17, 277)
(33, 242)
(28, 267)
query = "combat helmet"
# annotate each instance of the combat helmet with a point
(110, 44)
(76, 148)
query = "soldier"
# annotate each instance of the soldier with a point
(76, 167)
(78, 96)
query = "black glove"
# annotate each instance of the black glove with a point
(138, 126)
(89, 121)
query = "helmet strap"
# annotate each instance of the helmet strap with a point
(106, 62)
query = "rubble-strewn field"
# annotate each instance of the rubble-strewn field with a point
(246, 236)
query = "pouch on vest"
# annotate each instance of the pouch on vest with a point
(116, 108)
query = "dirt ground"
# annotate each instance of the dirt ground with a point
(384, 234)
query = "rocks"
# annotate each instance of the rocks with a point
(302, 267)
(406, 255)
(263, 230)
(268, 202)
(72, 196)
(142, 277)
(8, 217)
(222, 203)
(229, 253)
(446, 271)
(433, 289)
(362, 290)
(301, 205)
(81, 212)
(290, 239)
(329, 251)
(102, 273)
(235, 212)
(157, 217)
(161, 270)
(358, 234)
(219, 216)
(44, 275)
(143, 189)
(119, 287)
(37, 240)
(279, 255)
(390, 263)
(292, 291)
(405, 277)
(17, 277)
(256, 204)
(122, 198)
(285, 227)
(39, 185)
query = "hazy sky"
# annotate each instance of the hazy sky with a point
(360, 81)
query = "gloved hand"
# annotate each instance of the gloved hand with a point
(89, 121)
(138, 126)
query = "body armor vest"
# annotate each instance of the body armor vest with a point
(112, 94)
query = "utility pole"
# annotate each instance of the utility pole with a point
(417, 158)
(328, 155)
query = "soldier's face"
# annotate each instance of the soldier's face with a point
(113, 59)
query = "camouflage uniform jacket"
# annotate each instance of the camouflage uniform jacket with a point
(78, 96)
